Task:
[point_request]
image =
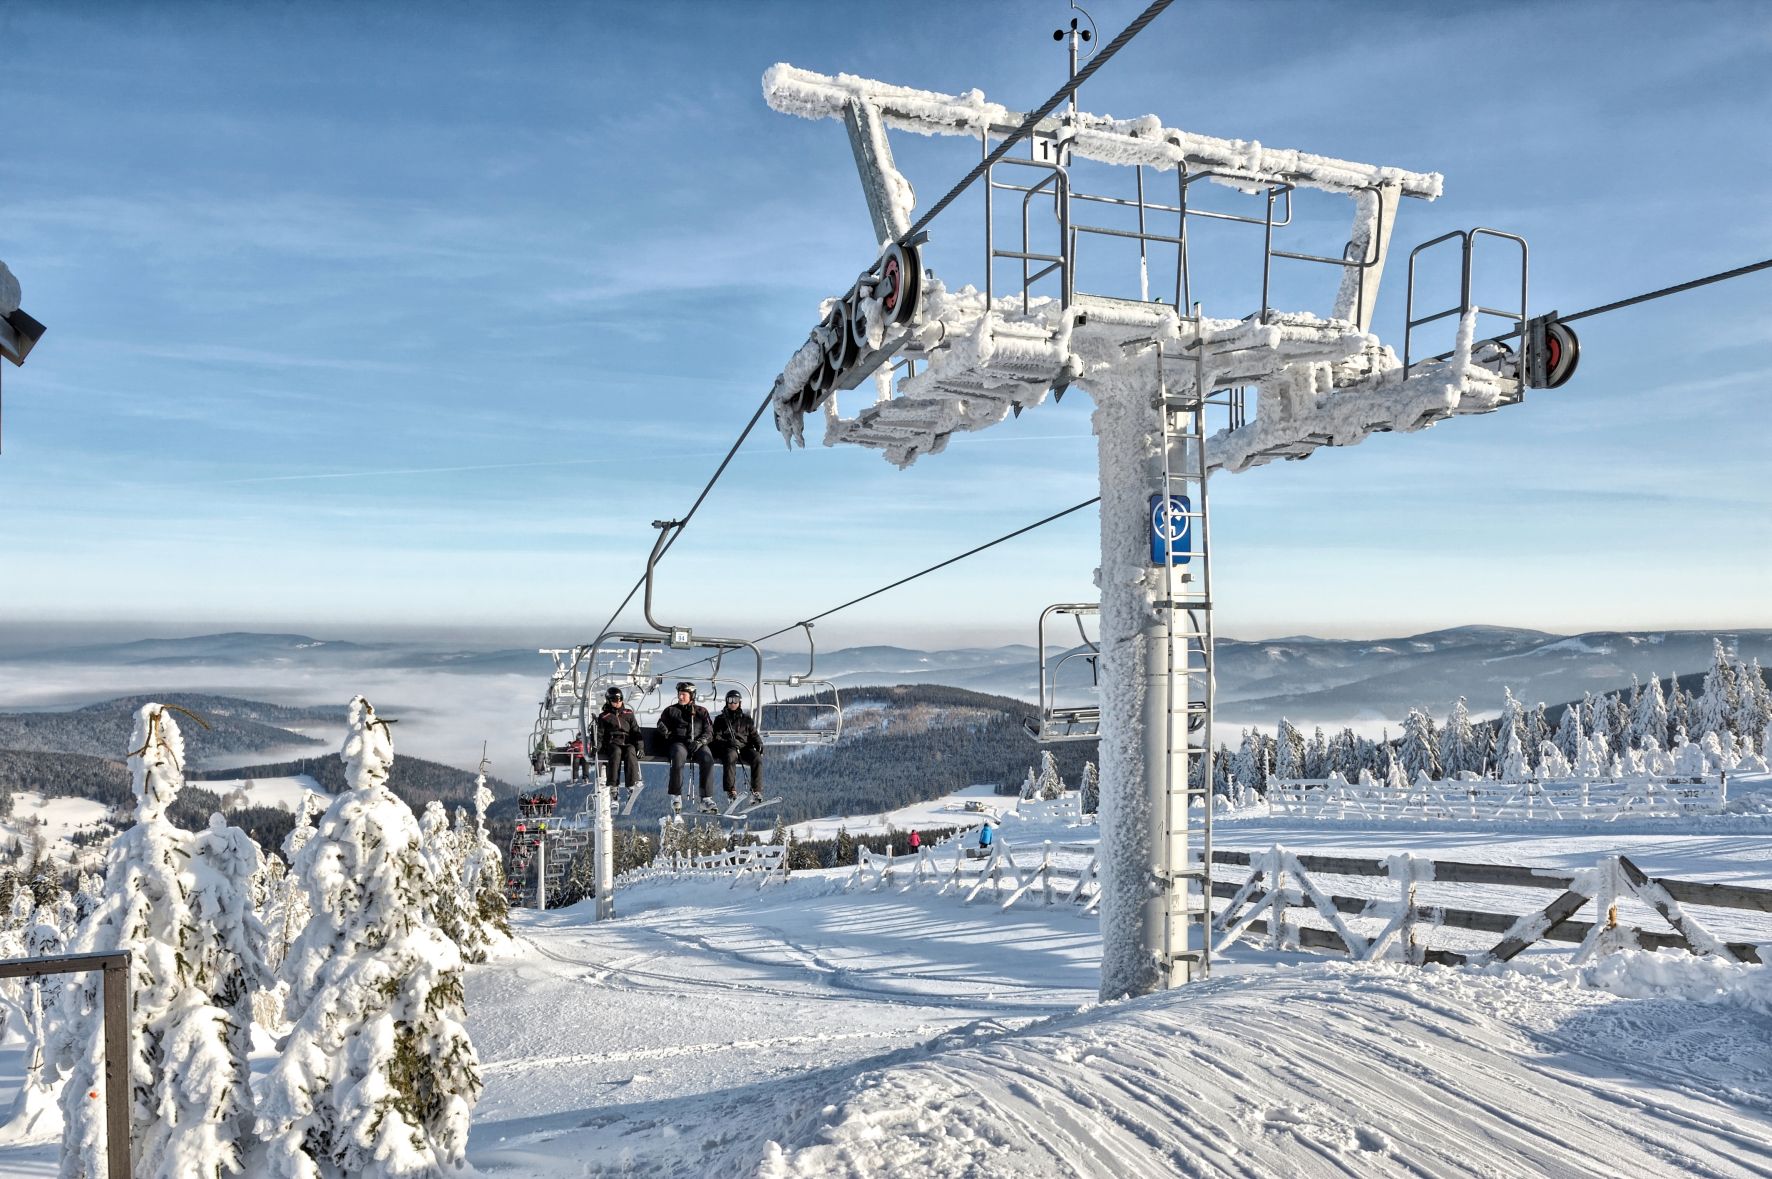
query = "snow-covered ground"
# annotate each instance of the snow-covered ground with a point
(950, 810)
(284, 792)
(805, 1028)
(51, 819)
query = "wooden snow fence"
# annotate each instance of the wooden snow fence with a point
(1281, 880)
(761, 862)
(1485, 799)
(1072, 878)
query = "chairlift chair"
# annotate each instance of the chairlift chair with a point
(799, 710)
(1064, 713)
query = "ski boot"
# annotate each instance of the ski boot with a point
(676, 805)
(707, 805)
(756, 798)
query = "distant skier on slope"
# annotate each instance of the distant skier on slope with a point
(984, 838)
(685, 729)
(736, 741)
(618, 740)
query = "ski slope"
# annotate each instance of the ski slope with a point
(806, 1030)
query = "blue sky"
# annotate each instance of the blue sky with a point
(367, 315)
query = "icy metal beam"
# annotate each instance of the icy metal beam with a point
(1143, 140)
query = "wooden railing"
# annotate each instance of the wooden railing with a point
(1486, 799)
(115, 999)
(1281, 881)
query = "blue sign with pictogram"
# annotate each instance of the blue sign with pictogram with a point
(1171, 539)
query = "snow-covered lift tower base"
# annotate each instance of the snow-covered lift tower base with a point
(1282, 382)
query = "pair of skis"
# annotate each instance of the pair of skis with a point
(739, 808)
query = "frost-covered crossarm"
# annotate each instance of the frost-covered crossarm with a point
(1143, 140)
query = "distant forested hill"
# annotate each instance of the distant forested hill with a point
(414, 779)
(102, 730)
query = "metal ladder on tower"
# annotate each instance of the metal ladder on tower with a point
(1185, 606)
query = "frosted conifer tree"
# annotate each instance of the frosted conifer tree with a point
(1289, 752)
(1246, 763)
(1537, 728)
(1649, 717)
(1754, 710)
(1599, 719)
(1458, 742)
(179, 905)
(1688, 758)
(35, 1112)
(1091, 790)
(1393, 770)
(444, 870)
(1050, 785)
(377, 1078)
(1418, 755)
(1316, 755)
(484, 880)
(1551, 762)
(1721, 699)
(1510, 754)
(1595, 759)
(1570, 734)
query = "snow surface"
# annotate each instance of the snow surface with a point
(59, 818)
(281, 792)
(804, 1028)
(946, 811)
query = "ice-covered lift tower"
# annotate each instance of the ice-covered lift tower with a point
(1284, 382)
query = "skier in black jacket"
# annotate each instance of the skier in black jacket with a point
(618, 739)
(684, 729)
(737, 742)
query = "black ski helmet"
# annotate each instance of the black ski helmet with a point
(612, 694)
(686, 686)
(735, 695)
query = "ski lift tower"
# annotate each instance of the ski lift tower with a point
(1127, 198)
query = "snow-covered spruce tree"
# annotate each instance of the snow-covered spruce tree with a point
(1649, 717)
(36, 1114)
(1718, 705)
(1511, 764)
(377, 1078)
(1288, 752)
(179, 905)
(1418, 755)
(1458, 742)
(1049, 785)
(483, 879)
(1030, 786)
(1091, 789)
(1245, 762)
(1754, 711)
(444, 870)
(1570, 734)
(1595, 760)
(1316, 755)
(1551, 762)
(1393, 769)
(1537, 728)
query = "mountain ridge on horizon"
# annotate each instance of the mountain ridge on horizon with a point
(1307, 678)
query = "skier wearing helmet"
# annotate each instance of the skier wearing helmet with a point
(736, 742)
(618, 739)
(684, 729)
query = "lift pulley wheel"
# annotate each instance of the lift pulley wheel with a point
(1562, 352)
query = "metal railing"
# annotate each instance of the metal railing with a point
(115, 998)
(1467, 239)
(1058, 185)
